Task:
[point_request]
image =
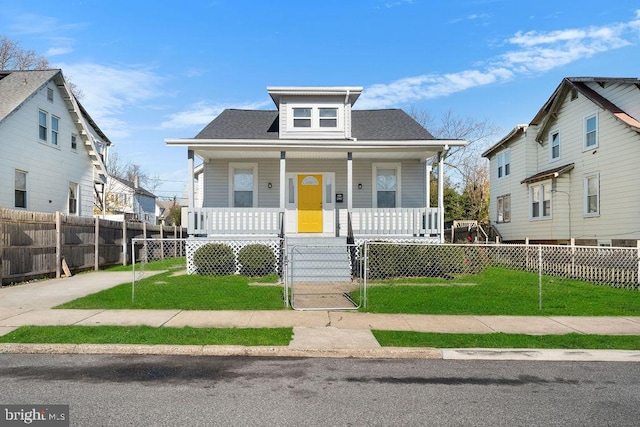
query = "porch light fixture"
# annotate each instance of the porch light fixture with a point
(360, 186)
(269, 185)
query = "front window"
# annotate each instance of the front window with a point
(591, 132)
(540, 200)
(302, 117)
(504, 209)
(554, 137)
(42, 124)
(386, 185)
(54, 129)
(20, 186)
(243, 183)
(73, 198)
(592, 195)
(328, 117)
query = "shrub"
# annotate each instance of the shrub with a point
(256, 260)
(214, 259)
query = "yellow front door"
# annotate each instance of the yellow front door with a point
(310, 203)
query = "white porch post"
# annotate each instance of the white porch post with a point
(427, 180)
(441, 196)
(349, 181)
(190, 170)
(283, 179)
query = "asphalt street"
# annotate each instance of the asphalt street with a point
(119, 390)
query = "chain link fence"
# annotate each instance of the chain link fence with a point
(611, 266)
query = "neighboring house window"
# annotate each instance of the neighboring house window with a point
(592, 195)
(74, 142)
(386, 183)
(243, 184)
(591, 132)
(43, 118)
(554, 138)
(328, 117)
(73, 198)
(540, 200)
(20, 189)
(55, 123)
(504, 163)
(49, 94)
(302, 117)
(504, 208)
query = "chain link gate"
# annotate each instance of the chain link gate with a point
(324, 277)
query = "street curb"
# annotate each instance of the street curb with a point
(223, 350)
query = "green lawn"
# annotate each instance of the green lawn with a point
(498, 291)
(165, 264)
(186, 292)
(149, 335)
(500, 340)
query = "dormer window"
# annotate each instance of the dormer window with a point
(328, 117)
(302, 117)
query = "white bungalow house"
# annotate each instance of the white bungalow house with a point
(314, 167)
(52, 154)
(570, 176)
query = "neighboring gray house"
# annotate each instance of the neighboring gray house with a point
(127, 201)
(314, 167)
(52, 154)
(572, 172)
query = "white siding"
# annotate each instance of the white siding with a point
(49, 168)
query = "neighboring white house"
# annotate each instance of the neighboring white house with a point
(127, 201)
(52, 154)
(314, 167)
(572, 173)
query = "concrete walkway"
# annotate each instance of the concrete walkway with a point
(316, 333)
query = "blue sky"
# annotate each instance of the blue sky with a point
(156, 70)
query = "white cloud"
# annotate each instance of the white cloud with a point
(534, 52)
(109, 90)
(202, 113)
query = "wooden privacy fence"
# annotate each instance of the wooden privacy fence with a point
(35, 245)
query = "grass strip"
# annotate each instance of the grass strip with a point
(185, 292)
(149, 335)
(500, 291)
(164, 264)
(501, 340)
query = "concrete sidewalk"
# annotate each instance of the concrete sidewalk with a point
(316, 333)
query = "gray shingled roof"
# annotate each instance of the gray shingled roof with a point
(18, 86)
(366, 125)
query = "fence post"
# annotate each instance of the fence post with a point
(573, 257)
(58, 245)
(1, 246)
(175, 239)
(124, 242)
(96, 245)
(161, 241)
(539, 277)
(638, 257)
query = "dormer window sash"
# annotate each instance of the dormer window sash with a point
(315, 117)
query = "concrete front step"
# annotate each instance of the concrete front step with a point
(315, 259)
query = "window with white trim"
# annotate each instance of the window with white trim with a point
(504, 208)
(302, 117)
(20, 186)
(74, 141)
(73, 198)
(243, 191)
(310, 117)
(55, 124)
(504, 163)
(592, 195)
(540, 197)
(43, 119)
(328, 117)
(386, 184)
(554, 144)
(591, 131)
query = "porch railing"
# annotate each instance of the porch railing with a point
(238, 221)
(392, 221)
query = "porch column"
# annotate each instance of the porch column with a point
(441, 196)
(427, 181)
(190, 170)
(283, 179)
(349, 181)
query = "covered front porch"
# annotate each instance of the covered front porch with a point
(320, 188)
